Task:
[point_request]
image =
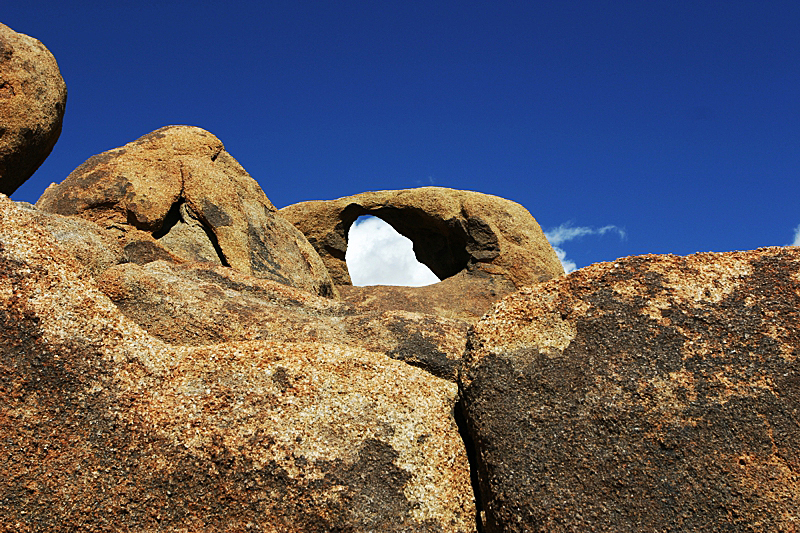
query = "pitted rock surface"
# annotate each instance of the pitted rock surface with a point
(197, 303)
(180, 187)
(478, 239)
(107, 428)
(656, 393)
(33, 97)
(201, 304)
(95, 248)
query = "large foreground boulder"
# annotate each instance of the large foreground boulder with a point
(178, 186)
(656, 393)
(201, 303)
(482, 246)
(33, 97)
(107, 428)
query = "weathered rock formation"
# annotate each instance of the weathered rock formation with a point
(94, 248)
(174, 356)
(656, 393)
(33, 96)
(481, 246)
(176, 193)
(105, 427)
(200, 304)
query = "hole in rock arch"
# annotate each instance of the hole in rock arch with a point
(378, 255)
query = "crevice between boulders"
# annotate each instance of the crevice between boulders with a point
(460, 416)
(172, 217)
(179, 212)
(214, 242)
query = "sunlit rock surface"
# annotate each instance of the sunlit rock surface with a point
(106, 427)
(179, 186)
(483, 245)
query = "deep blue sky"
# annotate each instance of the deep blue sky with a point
(677, 121)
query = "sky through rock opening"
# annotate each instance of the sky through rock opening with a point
(378, 255)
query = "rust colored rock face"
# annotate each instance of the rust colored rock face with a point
(107, 428)
(656, 393)
(179, 186)
(33, 97)
(481, 242)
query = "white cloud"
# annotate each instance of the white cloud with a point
(378, 255)
(569, 266)
(796, 237)
(567, 232)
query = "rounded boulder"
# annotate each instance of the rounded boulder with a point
(33, 97)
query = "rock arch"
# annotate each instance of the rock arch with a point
(455, 233)
(438, 245)
(378, 255)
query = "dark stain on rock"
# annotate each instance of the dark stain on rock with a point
(152, 136)
(93, 162)
(53, 424)
(415, 349)
(143, 252)
(215, 216)
(373, 499)
(482, 245)
(261, 260)
(107, 192)
(281, 378)
(628, 431)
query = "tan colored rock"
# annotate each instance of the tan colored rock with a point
(482, 243)
(33, 97)
(179, 186)
(95, 248)
(656, 393)
(197, 303)
(107, 428)
(200, 304)
(462, 297)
